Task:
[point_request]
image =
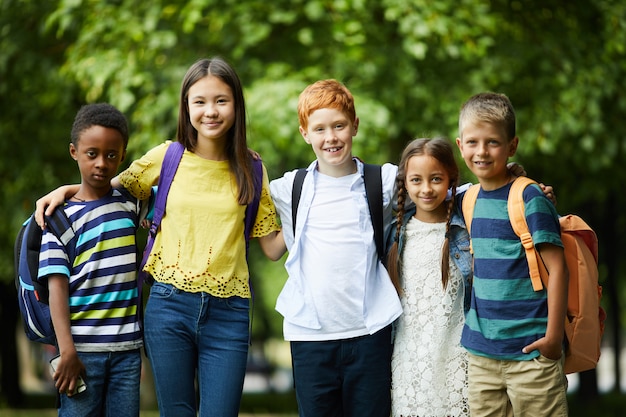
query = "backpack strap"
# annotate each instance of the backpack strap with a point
(469, 201)
(253, 207)
(60, 226)
(372, 177)
(250, 218)
(172, 158)
(296, 192)
(515, 206)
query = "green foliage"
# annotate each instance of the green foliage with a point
(37, 103)
(410, 64)
(274, 126)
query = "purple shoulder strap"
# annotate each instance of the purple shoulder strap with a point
(172, 158)
(251, 211)
(253, 207)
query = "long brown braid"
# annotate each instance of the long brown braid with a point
(393, 257)
(445, 249)
(442, 150)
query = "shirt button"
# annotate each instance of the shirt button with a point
(457, 256)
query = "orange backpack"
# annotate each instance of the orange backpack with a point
(584, 323)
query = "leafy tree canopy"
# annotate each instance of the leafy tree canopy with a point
(410, 64)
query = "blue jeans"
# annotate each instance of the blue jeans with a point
(112, 386)
(344, 378)
(196, 334)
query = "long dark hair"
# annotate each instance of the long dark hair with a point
(236, 145)
(441, 150)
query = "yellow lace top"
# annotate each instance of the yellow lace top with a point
(200, 246)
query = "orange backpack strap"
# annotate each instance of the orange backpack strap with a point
(469, 201)
(515, 205)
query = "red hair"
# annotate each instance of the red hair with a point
(325, 94)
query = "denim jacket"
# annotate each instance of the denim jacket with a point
(459, 246)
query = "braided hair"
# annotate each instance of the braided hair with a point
(442, 151)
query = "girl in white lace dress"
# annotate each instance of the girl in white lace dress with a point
(430, 263)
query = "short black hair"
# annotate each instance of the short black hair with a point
(99, 114)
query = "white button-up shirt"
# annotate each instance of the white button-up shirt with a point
(337, 287)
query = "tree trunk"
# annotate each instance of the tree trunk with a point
(588, 386)
(611, 259)
(605, 215)
(9, 380)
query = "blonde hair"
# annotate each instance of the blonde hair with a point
(441, 150)
(493, 108)
(325, 94)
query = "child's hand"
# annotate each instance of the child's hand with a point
(550, 350)
(254, 154)
(69, 368)
(49, 202)
(516, 169)
(549, 192)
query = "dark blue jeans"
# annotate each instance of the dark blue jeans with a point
(344, 378)
(196, 334)
(112, 386)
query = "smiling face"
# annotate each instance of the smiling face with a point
(211, 109)
(427, 182)
(486, 150)
(330, 133)
(99, 153)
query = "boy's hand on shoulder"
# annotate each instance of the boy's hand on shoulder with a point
(548, 349)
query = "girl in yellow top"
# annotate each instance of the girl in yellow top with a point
(196, 320)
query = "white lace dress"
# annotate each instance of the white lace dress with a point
(429, 365)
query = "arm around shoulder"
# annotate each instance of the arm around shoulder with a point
(46, 205)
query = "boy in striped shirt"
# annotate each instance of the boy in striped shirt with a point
(513, 334)
(93, 286)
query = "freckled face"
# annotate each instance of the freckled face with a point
(330, 133)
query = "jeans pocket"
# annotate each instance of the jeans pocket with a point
(160, 290)
(238, 303)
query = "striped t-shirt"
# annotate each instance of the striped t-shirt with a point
(506, 314)
(102, 274)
